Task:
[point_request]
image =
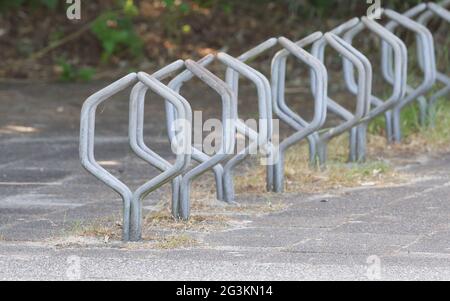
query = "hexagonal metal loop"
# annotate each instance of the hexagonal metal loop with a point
(440, 11)
(176, 84)
(136, 125)
(87, 137)
(358, 152)
(426, 53)
(225, 187)
(277, 105)
(229, 118)
(364, 87)
(303, 128)
(263, 136)
(132, 209)
(181, 149)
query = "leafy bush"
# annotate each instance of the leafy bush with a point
(116, 33)
(72, 73)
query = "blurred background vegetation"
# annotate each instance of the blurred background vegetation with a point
(37, 41)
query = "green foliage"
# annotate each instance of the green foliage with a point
(377, 126)
(321, 6)
(435, 134)
(116, 34)
(441, 127)
(438, 128)
(50, 3)
(367, 169)
(71, 73)
(85, 73)
(129, 8)
(409, 122)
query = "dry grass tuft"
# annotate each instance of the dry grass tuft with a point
(208, 214)
(105, 229)
(163, 219)
(178, 241)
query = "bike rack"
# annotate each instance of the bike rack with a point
(236, 68)
(197, 155)
(303, 128)
(232, 78)
(275, 174)
(137, 102)
(131, 201)
(399, 83)
(225, 184)
(87, 128)
(271, 100)
(283, 111)
(229, 119)
(363, 94)
(425, 42)
(440, 11)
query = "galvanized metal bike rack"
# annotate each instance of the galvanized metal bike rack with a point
(440, 11)
(283, 111)
(271, 100)
(272, 107)
(87, 126)
(302, 127)
(236, 68)
(136, 138)
(196, 154)
(232, 78)
(278, 107)
(362, 64)
(259, 139)
(229, 120)
(131, 201)
(399, 83)
(425, 42)
(275, 171)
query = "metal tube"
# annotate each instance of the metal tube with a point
(182, 150)
(399, 82)
(87, 137)
(426, 53)
(229, 116)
